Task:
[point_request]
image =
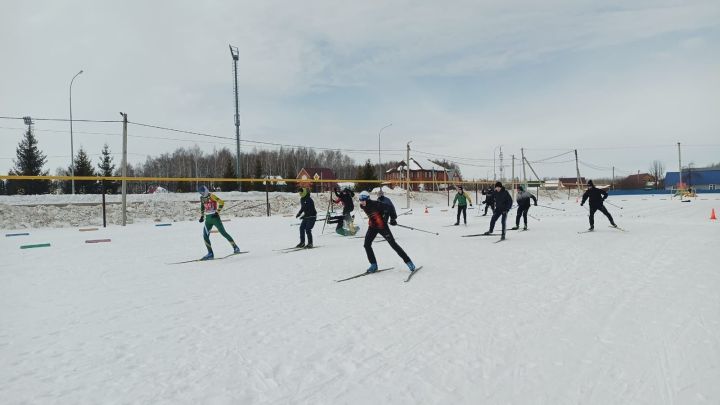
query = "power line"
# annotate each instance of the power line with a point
(60, 119)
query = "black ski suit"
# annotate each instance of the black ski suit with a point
(523, 200)
(503, 203)
(489, 200)
(346, 198)
(596, 197)
(307, 207)
(378, 213)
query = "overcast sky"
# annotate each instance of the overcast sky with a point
(621, 81)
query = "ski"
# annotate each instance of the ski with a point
(413, 273)
(480, 234)
(618, 228)
(299, 249)
(588, 231)
(364, 274)
(500, 240)
(286, 249)
(210, 260)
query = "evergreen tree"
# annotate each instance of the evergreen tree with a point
(84, 167)
(229, 173)
(30, 161)
(367, 172)
(107, 167)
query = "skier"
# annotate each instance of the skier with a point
(503, 203)
(489, 194)
(596, 197)
(523, 200)
(210, 206)
(378, 213)
(462, 199)
(307, 207)
(383, 199)
(345, 197)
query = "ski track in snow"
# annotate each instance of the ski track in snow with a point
(549, 317)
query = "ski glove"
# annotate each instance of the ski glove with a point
(393, 221)
(453, 206)
(202, 219)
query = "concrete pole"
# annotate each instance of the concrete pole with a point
(124, 170)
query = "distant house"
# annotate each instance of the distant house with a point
(707, 178)
(432, 175)
(316, 173)
(571, 182)
(637, 181)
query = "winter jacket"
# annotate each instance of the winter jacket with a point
(596, 197)
(307, 207)
(346, 197)
(462, 199)
(378, 214)
(523, 199)
(211, 204)
(388, 202)
(503, 200)
(489, 196)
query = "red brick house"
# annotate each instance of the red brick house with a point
(433, 175)
(316, 173)
(571, 182)
(637, 181)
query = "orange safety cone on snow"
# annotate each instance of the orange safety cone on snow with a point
(426, 211)
(712, 215)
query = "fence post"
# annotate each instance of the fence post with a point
(267, 198)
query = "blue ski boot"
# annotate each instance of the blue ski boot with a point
(411, 266)
(236, 249)
(208, 256)
(373, 268)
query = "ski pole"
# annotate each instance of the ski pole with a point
(614, 205)
(415, 229)
(552, 208)
(537, 219)
(406, 212)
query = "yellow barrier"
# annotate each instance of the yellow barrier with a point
(245, 180)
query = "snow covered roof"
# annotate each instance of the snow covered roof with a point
(419, 164)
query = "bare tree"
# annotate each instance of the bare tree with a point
(657, 170)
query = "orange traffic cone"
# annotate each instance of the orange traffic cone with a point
(712, 215)
(426, 211)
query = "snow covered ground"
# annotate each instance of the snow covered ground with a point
(548, 317)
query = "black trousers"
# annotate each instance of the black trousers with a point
(496, 215)
(522, 211)
(601, 209)
(463, 209)
(347, 218)
(385, 232)
(488, 205)
(306, 227)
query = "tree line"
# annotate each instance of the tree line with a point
(183, 162)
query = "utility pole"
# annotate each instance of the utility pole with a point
(124, 170)
(380, 176)
(236, 56)
(577, 170)
(407, 172)
(512, 180)
(613, 179)
(522, 154)
(679, 166)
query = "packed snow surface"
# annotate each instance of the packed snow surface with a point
(549, 316)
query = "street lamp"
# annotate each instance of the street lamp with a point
(72, 152)
(380, 160)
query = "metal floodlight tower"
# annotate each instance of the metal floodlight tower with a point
(236, 56)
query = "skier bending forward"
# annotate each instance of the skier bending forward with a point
(378, 213)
